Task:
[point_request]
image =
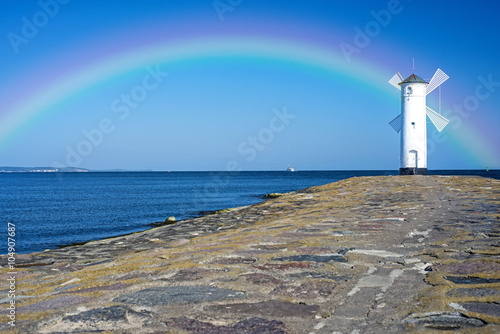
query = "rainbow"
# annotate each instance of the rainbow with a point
(165, 53)
(41, 100)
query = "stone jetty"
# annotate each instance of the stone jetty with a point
(394, 254)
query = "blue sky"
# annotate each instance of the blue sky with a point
(255, 85)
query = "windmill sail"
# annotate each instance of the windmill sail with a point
(438, 78)
(397, 78)
(397, 123)
(439, 121)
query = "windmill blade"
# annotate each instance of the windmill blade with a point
(439, 121)
(438, 78)
(397, 78)
(397, 123)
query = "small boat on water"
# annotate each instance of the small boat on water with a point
(290, 169)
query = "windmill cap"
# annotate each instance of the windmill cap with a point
(413, 79)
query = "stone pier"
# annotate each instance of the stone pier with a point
(396, 254)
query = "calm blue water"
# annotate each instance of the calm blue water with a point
(55, 209)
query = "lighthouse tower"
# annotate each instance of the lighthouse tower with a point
(412, 122)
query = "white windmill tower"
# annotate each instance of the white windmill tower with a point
(412, 120)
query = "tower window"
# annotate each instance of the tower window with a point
(408, 90)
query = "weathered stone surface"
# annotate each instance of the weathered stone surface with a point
(313, 258)
(101, 319)
(445, 321)
(271, 247)
(116, 286)
(313, 250)
(485, 308)
(191, 274)
(470, 280)
(234, 260)
(262, 279)
(464, 268)
(482, 292)
(271, 308)
(53, 304)
(178, 295)
(317, 275)
(286, 266)
(66, 287)
(309, 290)
(253, 325)
(282, 256)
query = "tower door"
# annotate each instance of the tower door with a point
(413, 159)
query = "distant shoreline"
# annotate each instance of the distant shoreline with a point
(63, 170)
(43, 170)
(6, 169)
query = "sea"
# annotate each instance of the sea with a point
(51, 210)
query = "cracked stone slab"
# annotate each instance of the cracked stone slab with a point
(178, 295)
(376, 281)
